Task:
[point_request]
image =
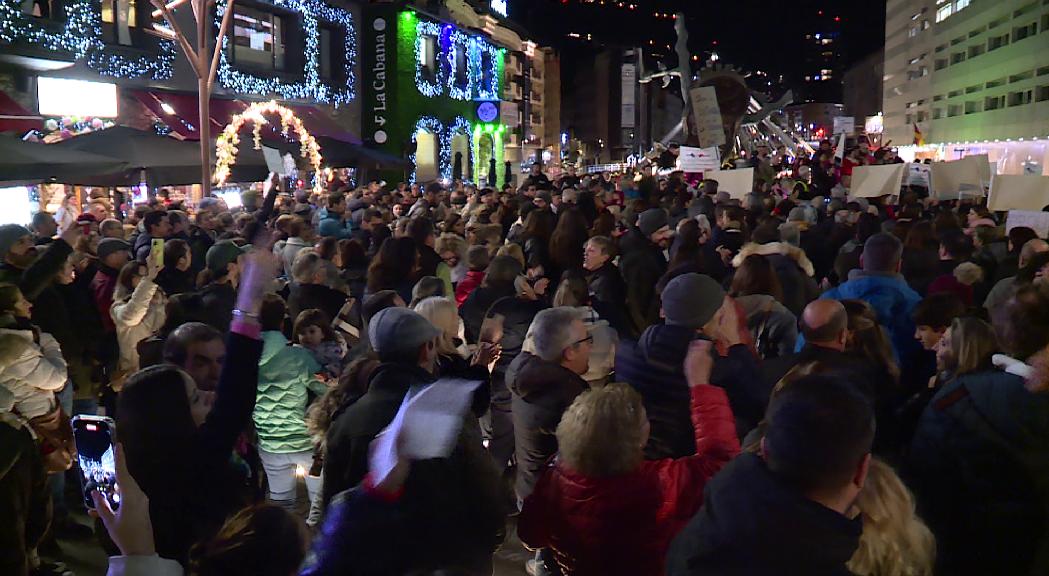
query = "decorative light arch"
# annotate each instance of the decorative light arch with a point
(227, 142)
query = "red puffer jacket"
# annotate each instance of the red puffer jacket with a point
(623, 524)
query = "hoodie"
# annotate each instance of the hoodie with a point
(332, 224)
(893, 301)
(751, 523)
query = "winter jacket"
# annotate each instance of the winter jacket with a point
(542, 391)
(142, 246)
(330, 354)
(219, 300)
(199, 243)
(36, 373)
(654, 366)
(623, 524)
(793, 268)
(775, 329)
(353, 427)
(467, 285)
(137, 317)
(979, 466)
(608, 296)
(474, 309)
(332, 224)
(319, 296)
(102, 287)
(291, 249)
(642, 268)
(174, 281)
(752, 523)
(285, 377)
(893, 301)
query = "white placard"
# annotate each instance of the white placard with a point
(707, 115)
(1037, 221)
(876, 181)
(951, 180)
(918, 174)
(274, 163)
(692, 160)
(844, 124)
(1019, 192)
(738, 183)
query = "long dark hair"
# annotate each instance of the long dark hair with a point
(352, 254)
(539, 224)
(395, 263)
(756, 276)
(568, 239)
(688, 250)
(156, 427)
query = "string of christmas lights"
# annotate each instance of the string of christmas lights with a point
(482, 80)
(487, 80)
(429, 83)
(311, 87)
(426, 124)
(452, 43)
(82, 36)
(459, 126)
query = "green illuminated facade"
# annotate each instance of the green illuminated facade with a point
(430, 91)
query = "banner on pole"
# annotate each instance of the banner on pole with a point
(707, 114)
(875, 181)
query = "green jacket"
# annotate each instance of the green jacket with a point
(285, 375)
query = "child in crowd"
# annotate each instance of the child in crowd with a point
(313, 332)
(477, 259)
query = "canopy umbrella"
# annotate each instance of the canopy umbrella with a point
(151, 158)
(342, 154)
(22, 161)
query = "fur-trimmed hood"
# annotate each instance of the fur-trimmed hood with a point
(774, 248)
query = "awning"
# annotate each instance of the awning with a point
(22, 161)
(180, 111)
(15, 118)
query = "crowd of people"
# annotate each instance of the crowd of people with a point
(673, 380)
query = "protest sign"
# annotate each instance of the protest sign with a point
(707, 114)
(951, 180)
(1019, 192)
(738, 183)
(875, 181)
(918, 174)
(1037, 221)
(698, 159)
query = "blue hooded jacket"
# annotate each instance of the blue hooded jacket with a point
(331, 224)
(893, 301)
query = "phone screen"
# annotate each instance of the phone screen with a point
(96, 455)
(157, 251)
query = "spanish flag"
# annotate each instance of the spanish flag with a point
(919, 140)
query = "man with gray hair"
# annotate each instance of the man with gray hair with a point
(880, 284)
(544, 384)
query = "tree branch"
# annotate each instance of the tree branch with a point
(223, 29)
(191, 55)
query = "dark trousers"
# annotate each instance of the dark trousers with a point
(25, 501)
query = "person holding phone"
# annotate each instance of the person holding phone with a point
(178, 439)
(138, 311)
(158, 227)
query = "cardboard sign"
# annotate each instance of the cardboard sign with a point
(918, 174)
(1019, 192)
(875, 181)
(961, 178)
(1037, 221)
(274, 163)
(698, 159)
(738, 183)
(707, 115)
(844, 124)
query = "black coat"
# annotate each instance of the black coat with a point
(542, 391)
(199, 243)
(642, 268)
(751, 524)
(476, 306)
(174, 281)
(608, 296)
(429, 259)
(319, 296)
(219, 301)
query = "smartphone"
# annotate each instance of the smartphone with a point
(95, 438)
(157, 251)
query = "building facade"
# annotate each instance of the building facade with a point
(966, 72)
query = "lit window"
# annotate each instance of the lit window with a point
(943, 12)
(428, 54)
(113, 12)
(960, 4)
(258, 38)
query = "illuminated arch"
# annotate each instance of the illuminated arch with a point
(227, 142)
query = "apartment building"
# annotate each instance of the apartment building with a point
(966, 72)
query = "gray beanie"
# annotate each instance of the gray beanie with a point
(9, 235)
(652, 220)
(691, 300)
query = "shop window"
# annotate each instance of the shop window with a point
(260, 39)
(428, 55)
(426, 148)
(122, 15)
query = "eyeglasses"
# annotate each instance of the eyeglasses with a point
(589, 338)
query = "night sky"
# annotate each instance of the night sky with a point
(750, 34)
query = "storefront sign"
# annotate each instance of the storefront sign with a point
(380, 48)
(67, 97)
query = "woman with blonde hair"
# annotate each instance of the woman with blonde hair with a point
(895, 541)
(603, 509)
